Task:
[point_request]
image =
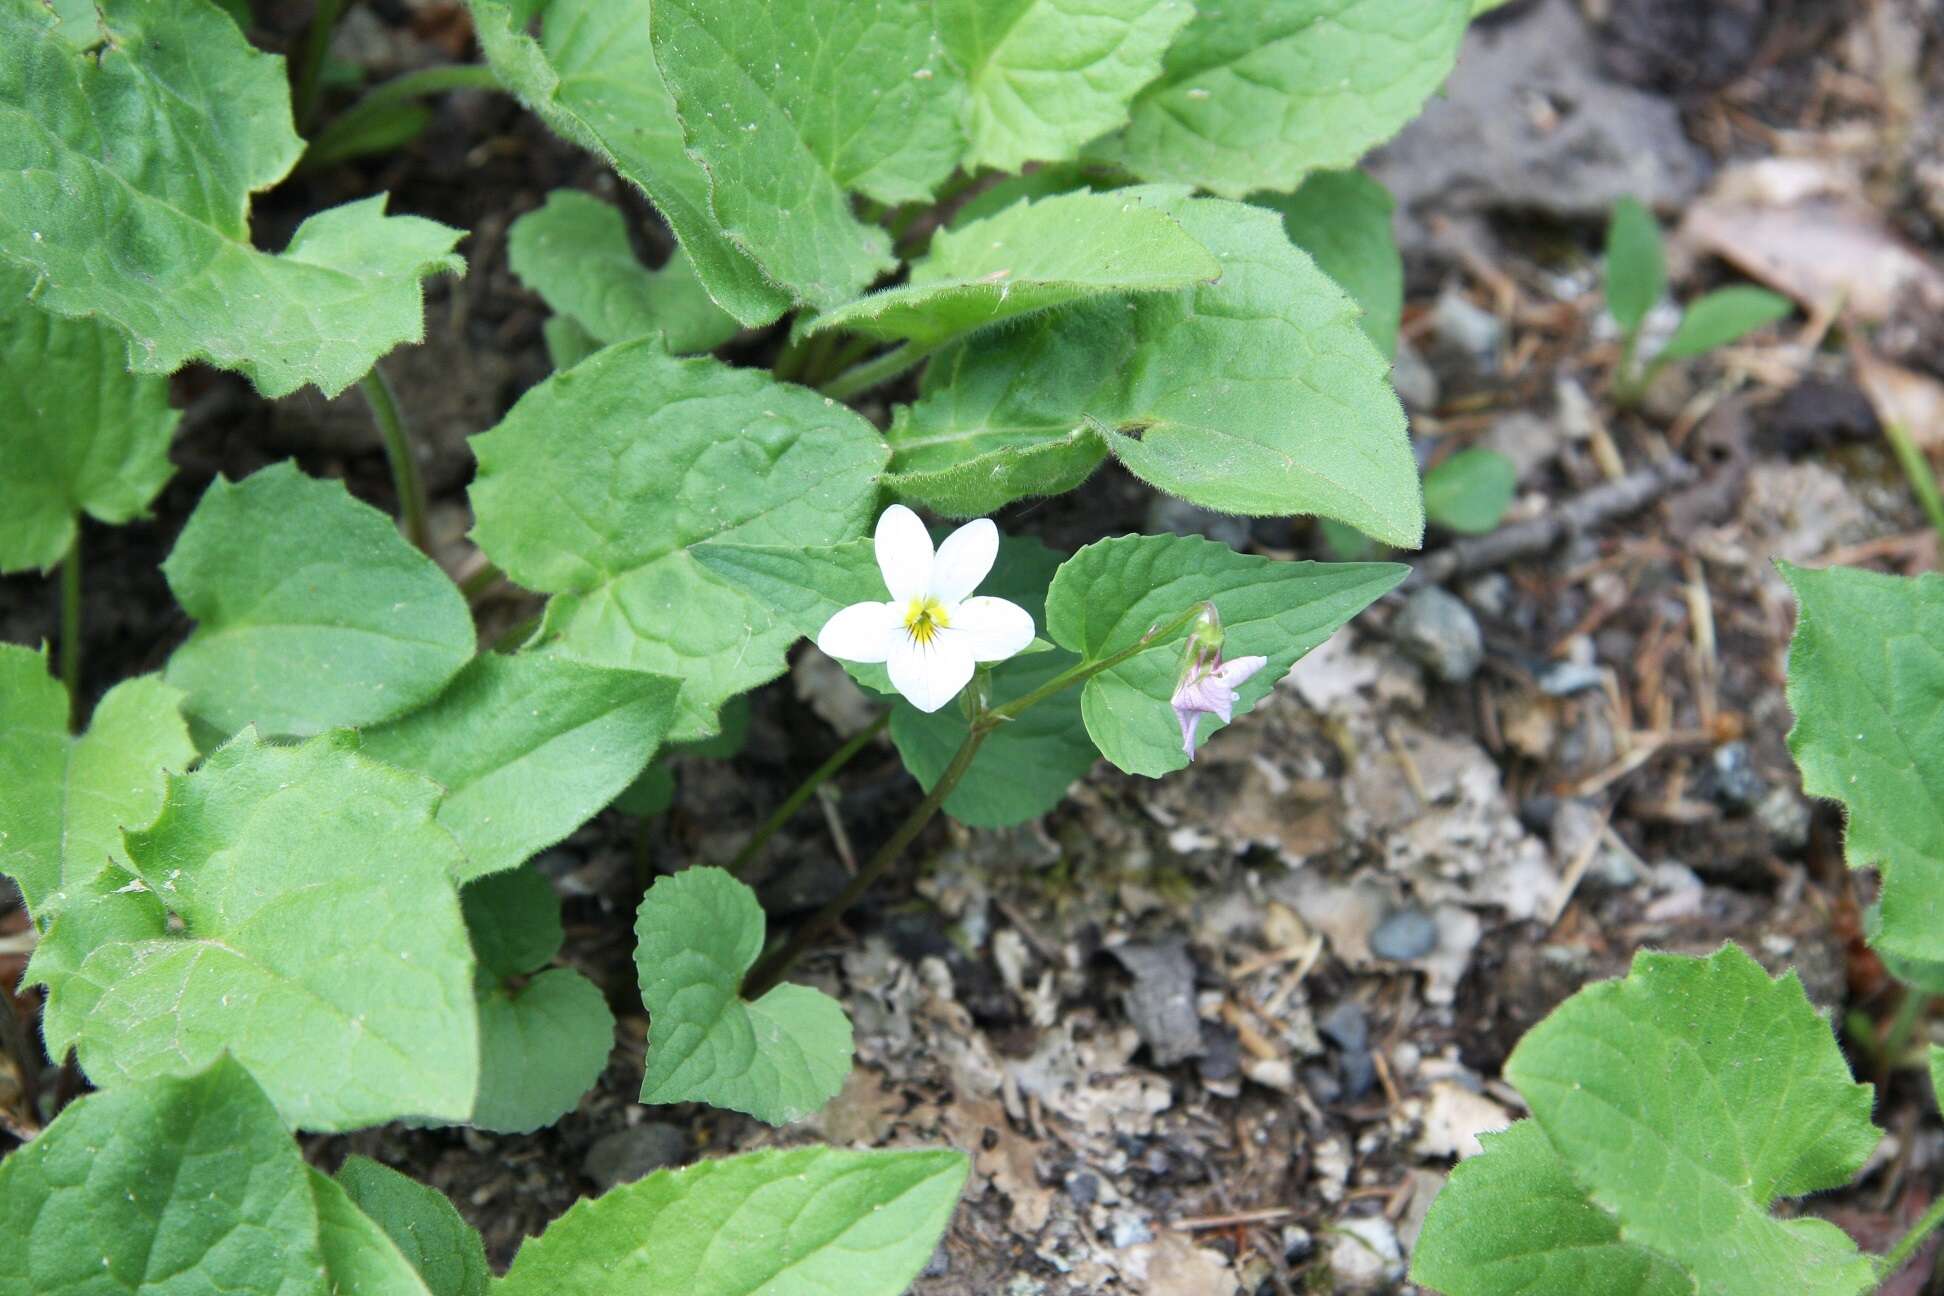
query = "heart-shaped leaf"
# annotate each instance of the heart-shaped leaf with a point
(777, 1059)
(422, 1224)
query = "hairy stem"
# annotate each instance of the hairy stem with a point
(338, 139)
(770, 969)
(1907, 1245)
(398, 448)
(882, 369)
(71, 628)
(807, 789)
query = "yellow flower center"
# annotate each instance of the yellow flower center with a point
(924, 618)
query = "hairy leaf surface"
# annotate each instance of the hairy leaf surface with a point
(789, 108)
(598, 483)
(1030, 258)
(777, 1059)
(424, 1226)
(312, 611)
(1343, 220)
(1112, 593)
(1254, 94)
(1257, 394)
(802, 1222)
(64, 801)
(1866, 682)
(78, 432)
(1046, 76)
(591, 75)
(1671, 1111)
(320, 941)
(131, 138)
(574, 252)
(544, 1033)
(528, 748)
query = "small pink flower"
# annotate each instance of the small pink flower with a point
(1207, 684)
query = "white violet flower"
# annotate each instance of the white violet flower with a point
(932, 634)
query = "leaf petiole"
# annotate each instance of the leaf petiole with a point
(1907, 1245)
(874, 372)
(398, 448)
(340, 138)
(71, 628)
(807, 789)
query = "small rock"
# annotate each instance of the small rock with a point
(939, 1265)
(1454, 1117)
(1346, 1026)
(1084, 1189)
(1465, 336)
(1179, 517)
(1365, 1255)
(1298, 1244)
(1162, 1003)
(1439, 631)
(1129, 1229)
(630, 1154)
(1736, 784)
(1786, 816)
(1490, 593)
(1563, 679)
(1416, 384)
(1405, 935)
(1525, 439)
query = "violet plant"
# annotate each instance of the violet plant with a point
(282, 884)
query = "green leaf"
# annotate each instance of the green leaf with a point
(1343, 220)
(598, 483)
(1636, 268)
(803, 1222)
(1254, 94)
(319, 941)
(359, 1256)
(574, 252)
(1110, 594)
(803, 588)
(528, 748)
(1024, 768)
(1936, 1064)
(1030, 258)
(312, 611)
(1513, 1220)
(171, 1188)
(1470, 491)
(1046, 76)
(80, 433)
(789, 108)
(1926, 974)
(592, 76)
(1866, 682)
(131, 138)
(1683, 1102)
(422, 1224)
(777, 1059)
(567, 342)
(1723, 316)
(1258, 394)
(64, 801)
(650, 794)
(544, 1036)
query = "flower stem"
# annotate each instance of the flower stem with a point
(310, 60)
(1086, 670)
(807, 789)
(770, 969)
(872, 373)
(341, 139)
(71, 628)
(1907, 1245)
(398, 448)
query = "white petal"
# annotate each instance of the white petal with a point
(1237, 672)
(989, 629)
(930, 675)
(904, 554)
(863, 632)
(964, 560)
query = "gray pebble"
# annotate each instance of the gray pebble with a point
(1563, 679)
(1736, 784)
(1405, 935)
(630, 1154)
(1786, 815)
(1440, 632)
